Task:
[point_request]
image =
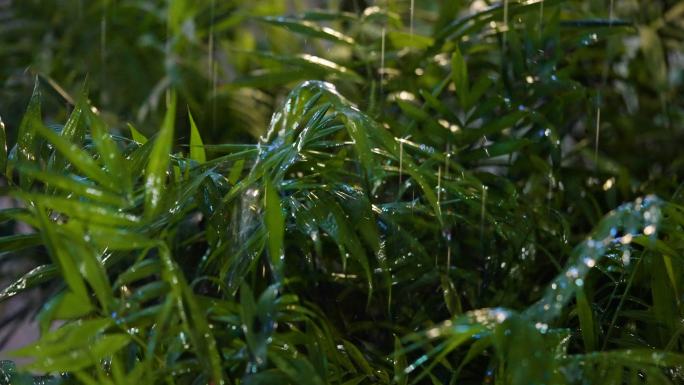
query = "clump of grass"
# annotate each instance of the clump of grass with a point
(454, 226)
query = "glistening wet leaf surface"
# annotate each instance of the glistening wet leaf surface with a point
(388, 192)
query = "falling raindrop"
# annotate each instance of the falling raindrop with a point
(401, 161)
(505, 21)
(214, 86)
(212, 65)
(210, 53)
(439, 184)
(447, 155)
(447, 237)
(382, 59)
(482, 214)
(412, 13)
(611, 13)
(103, 51)
(598, 131)
(541, 17)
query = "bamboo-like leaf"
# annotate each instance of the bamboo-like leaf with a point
(11, 243)
(298, 370)
(194, 318)
(158, 164)
(275, 225)
(137, 135)
(86, 212)
(79, 159)
(309, 28)
(33, 278)
(586, 319)
(66, 263)
(27, 149)
(109, 153)
(73, 185)
(459, 74)
(197, 152)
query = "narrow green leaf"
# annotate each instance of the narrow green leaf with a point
(60, 256)
(194, 317)
(459, 75)
(137, 135)
(92, 270)
(84, 356)
(109, 153)
(109, 237)
(197, 152)
(80, 159)
(402, 39)
(309, 28)
(299, 370)
(236, 171)
(26, 138)
(33, 278)
(275, 225)
(139, 270)
(358, 357)
(399, 363)
(74, 129)
(155, 173)
(586, 319)
(67, 337)
(65, 305)
(248, 317)
(17, 242)
(73, 185)
(86, 212)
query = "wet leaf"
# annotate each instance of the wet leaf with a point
(158, 164)
(27, 148)
(459, 74)
(136, 135)
(309, 28)
(197, 152)
(275, 225)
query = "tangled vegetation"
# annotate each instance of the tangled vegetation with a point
(448, 192)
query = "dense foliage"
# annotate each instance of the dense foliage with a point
(448, 192)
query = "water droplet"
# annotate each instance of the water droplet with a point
(649, 230)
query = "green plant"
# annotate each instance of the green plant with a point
(423, 234)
